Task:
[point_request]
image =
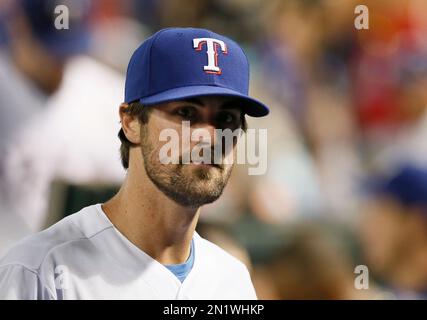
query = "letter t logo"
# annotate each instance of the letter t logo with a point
(212, 47)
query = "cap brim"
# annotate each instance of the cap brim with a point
(251, 107)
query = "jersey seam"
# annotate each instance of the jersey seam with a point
(35, 272)
(69, 241)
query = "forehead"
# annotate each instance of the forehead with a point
(213, 101)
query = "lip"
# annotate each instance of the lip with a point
(205, 165)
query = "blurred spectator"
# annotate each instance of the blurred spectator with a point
(393, 232)
(388, 71)
(33, 55)
(313, 263)
(408, 143)
(69, 134)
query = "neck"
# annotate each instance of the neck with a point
(150, 220)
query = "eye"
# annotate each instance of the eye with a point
(187, 112)
(227, 118)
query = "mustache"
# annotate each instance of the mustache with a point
(211, 158)
(212, 155)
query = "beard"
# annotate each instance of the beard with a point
(186, 184)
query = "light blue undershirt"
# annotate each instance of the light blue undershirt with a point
(182, 270)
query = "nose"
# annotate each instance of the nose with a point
(204, 133)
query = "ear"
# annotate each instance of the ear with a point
(130, 125)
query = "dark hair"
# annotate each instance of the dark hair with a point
(137, 109)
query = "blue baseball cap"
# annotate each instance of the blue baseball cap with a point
(41, 16)
(178, 63)
(408, 186)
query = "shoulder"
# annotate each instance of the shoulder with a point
(29, 269)
(31, 252)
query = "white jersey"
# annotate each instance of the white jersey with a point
(84, 256)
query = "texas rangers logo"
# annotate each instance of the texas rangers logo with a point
(212, 46)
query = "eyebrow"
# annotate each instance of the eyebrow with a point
(230, 104)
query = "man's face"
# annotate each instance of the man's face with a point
(187, 183)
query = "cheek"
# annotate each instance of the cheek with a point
(233, 150)
(163, 141)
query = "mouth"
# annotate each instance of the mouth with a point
(205, 165)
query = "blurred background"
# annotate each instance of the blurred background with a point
(346, 183)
